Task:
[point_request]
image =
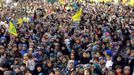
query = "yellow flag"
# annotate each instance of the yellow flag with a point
(124, 1)
(101, 0)
(92, 1)
(77, 16)
(20, 21)
(131, 3)
(25, 19)
(12, 29)
(106, 1)
(80, 0)
(62, 2)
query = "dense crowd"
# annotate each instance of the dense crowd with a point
(102, 43)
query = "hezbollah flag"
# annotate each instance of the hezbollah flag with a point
(12, 29)
(77, 16)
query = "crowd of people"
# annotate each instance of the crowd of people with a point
(102, 43)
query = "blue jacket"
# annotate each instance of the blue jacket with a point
(24, 52)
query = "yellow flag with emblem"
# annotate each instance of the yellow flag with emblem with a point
(12, 29)
(77, 16)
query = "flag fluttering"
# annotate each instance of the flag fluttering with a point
(26, 19)
(20, 21)
(62, 2)
(131, 3)
(80, 0)
(12, 29)
(77, 16)
(124, 1)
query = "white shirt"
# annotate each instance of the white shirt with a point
(109, 63)
(30, 64)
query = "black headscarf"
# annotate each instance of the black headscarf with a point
(35, 72)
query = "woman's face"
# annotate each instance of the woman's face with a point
(115, 37)
(2, 50)
(72, 56)
(31, 46)
(17, 70)
(30, 51)
(103, 46)
(118, 70)
(63, 48)
(61, 58)
(20, 47)
(73, 73)
(9, 47)
(2, 30)
(86, 40)
(132, 54)
(16, 62)
(51, 74)
(40, 53)
(86, 72)
(14, 49)
(126, 71)
(39, 69)
(57, 73)
(70, 66)
(84, 55)
(57, 46)
(77, 41)
(17, 39)
(22, 68)
(49, 64)
(57, 39)
(64, 60)
(118, 58)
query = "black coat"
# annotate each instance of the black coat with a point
(35, 72)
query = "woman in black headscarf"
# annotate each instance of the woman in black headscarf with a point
(38, 70)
